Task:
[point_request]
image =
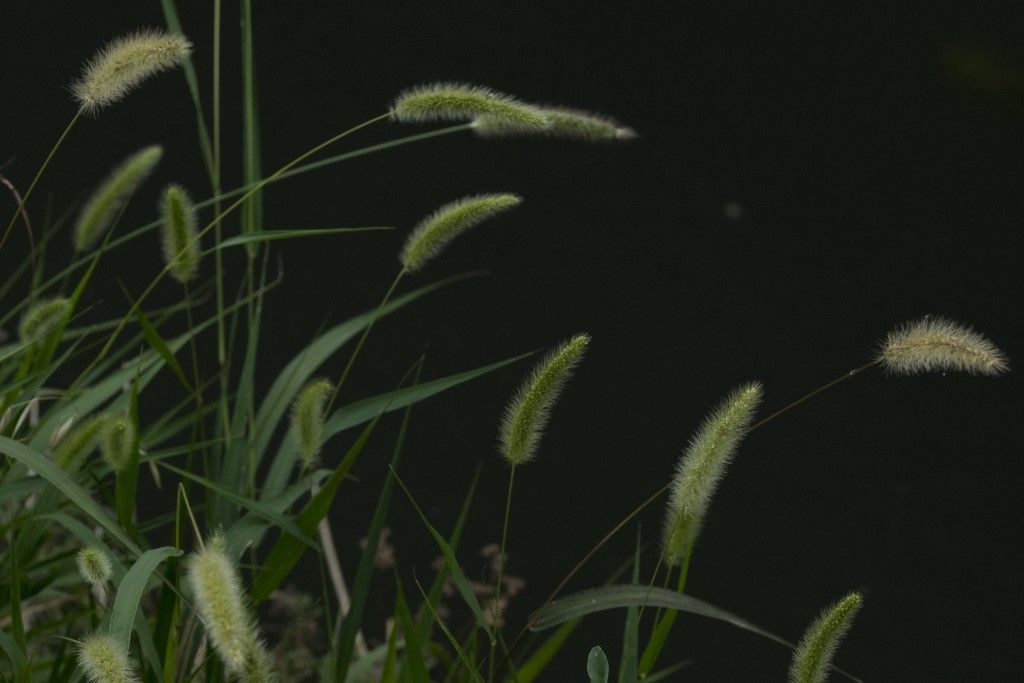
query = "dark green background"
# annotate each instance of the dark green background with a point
(876, 154)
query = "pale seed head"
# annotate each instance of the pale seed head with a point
(78, 442)
(124, 63)
(563, 122)
(464, 102)
(434, 232)
(308, 418)
(178, 233)
(112, 195)
(529, 410)
(812, 658)
(42, 318)
(935, 344)
(94, 565)
(117, 442)
(105, 660)
(701, 468)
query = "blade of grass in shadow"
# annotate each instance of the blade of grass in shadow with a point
(352, 622)
(414, 667)
(631, 631)
(49, 471)
(461, 583)
(466, 661)
(126, 482)
(273, 235)
(294, 376)
(664, 674)
(18, 660)
(153, 338)
(616, 597)
(252, 210)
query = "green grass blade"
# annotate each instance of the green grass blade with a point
(49, 471)
(252, 210)
(153, 338)
(542, 656)
(131, 590)
(597, 665)
(466, 659)
(274, 235)
(628, 670)
(126, 482)
(461, 582)
(18, 660)
(414, 667)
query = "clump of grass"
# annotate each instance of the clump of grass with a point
(937, 344)
(178, 233)
(812, 658)
(465, 102)
(702, 467)
(436, 231)
(124, 63)
(112, 195)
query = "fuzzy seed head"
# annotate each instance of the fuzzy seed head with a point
(432, 235)
(112, 195)
(308, 418)
(812, 658)
(572, 124)
(124, 63)
(94, 565)
(701, 468)
(529, 410)
(117, 442)
(220, 601)
(178, 233)
(464, 102)
(105, 660)
(77, 443)
(935, 344)
(42, 318)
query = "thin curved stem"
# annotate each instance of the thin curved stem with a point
(501, 571)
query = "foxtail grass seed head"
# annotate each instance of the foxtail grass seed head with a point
(112, 195)
(178, 233)
(220, 601)
(117, 442)
(94, 565)
(308, 418)
(812, 658)
(124, 63)
(464, 102)
(432, 235)
(105, 660)
(566, 123)
(79, 442)
(42, 318)
(527, 413)
(935, 344)
(701, 468)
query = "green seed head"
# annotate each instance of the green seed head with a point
(117, 442)
(464, 102)
(528, 411)
(105, 660)
(124, 63)
(42, 318)
(112, 195)
(812, 658)
(220, 601)
(93, 565)
(566, 123)
(178, 233)
(308, 418)
(433, 233)
(78, 442)
(935, 344)
(702, 467)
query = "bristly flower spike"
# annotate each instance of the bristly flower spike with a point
(117, 442)
(78, 442)
(434, 232)
(221, 603)
(308, 418)
(572, 124)
(812, 658)
(701, 468)
(938, 344)
(124, 63)
(465, 102)
(528, 412)
(178, 233)
(94, 565)
(42, 318)
(105, 660)
(112, 195)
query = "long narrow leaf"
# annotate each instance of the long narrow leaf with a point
(131, 590)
